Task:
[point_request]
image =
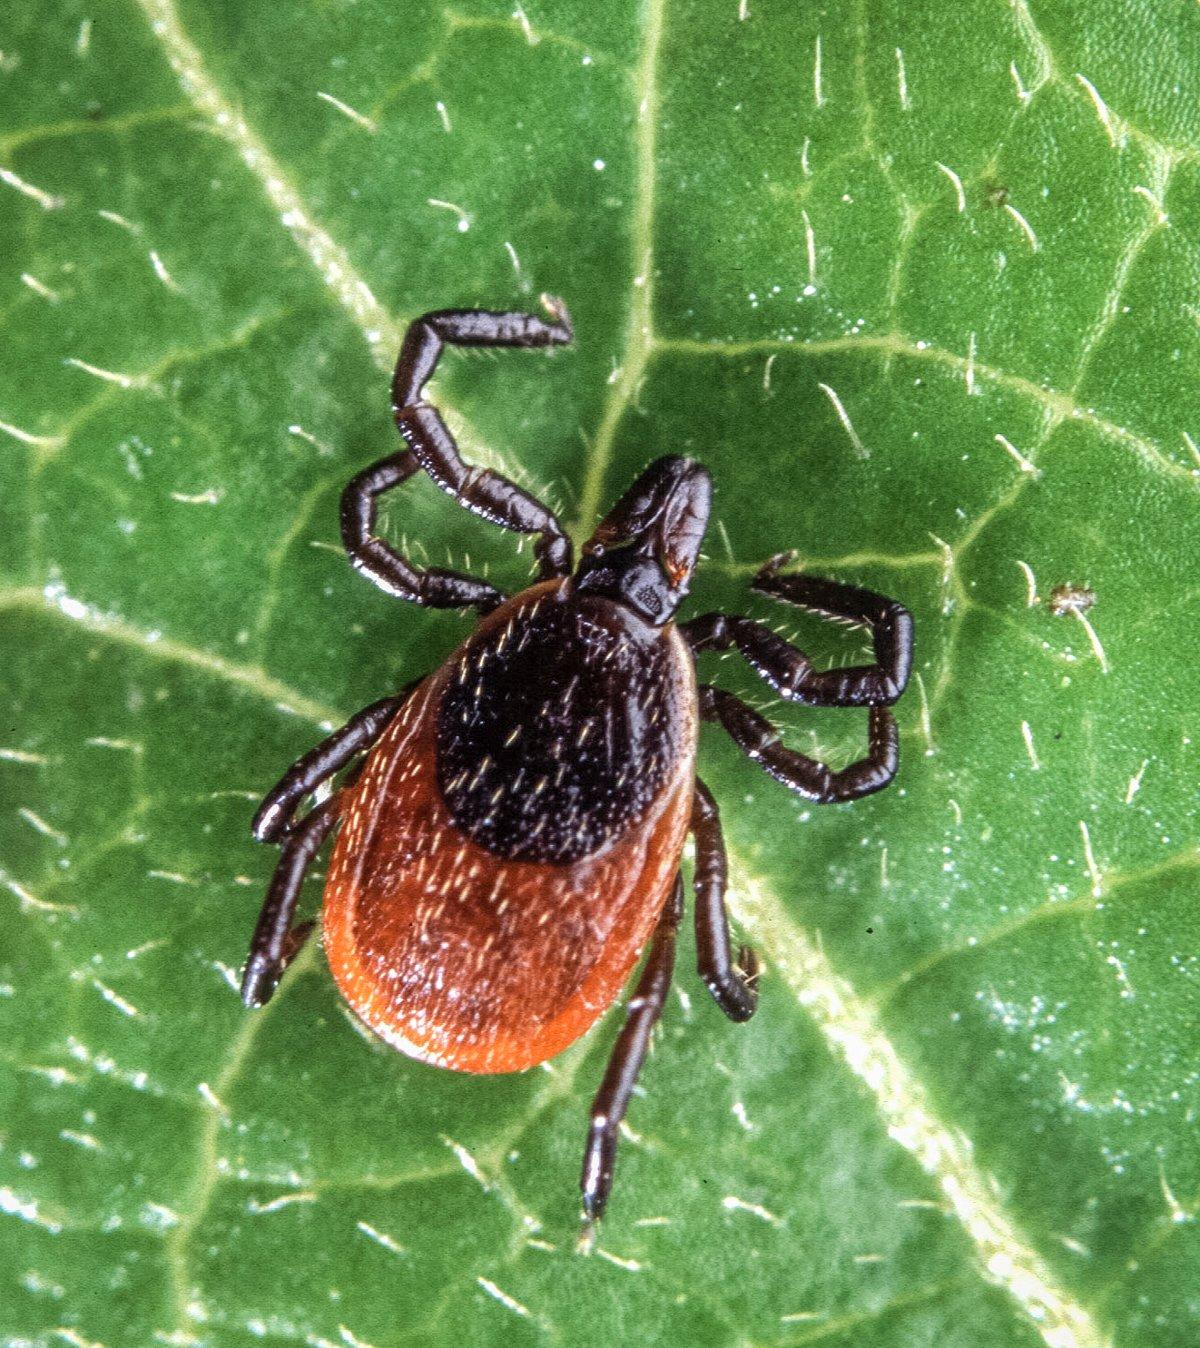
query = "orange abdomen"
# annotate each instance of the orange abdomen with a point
(471, 959)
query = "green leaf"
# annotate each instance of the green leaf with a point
(919, 284)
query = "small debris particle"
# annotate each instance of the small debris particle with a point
(1070, 599)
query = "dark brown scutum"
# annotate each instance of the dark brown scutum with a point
(558, 728)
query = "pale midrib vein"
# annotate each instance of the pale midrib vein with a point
(639, 330)
(383, 335)
(853, 1033)
(330, 258)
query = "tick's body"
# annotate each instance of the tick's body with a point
(513, 839)
(511, 842)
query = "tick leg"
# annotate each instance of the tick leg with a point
(274, 815)
(423, 342)
(482, 491)
(431, 447)
(275, 941)
(758, 739)
(629, 1052)
(732, 986)
(431, 587)
(788, 670)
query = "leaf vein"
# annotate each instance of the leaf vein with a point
(639, 329)
(329, 257)
(1061, 405)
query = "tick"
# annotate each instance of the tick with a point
(511, 841)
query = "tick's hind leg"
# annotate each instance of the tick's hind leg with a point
(732, 985)
(431, 447)
(276, 942)
(629, 1052)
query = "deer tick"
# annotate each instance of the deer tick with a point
(512, 841)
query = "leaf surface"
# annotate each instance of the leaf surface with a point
(919, 284)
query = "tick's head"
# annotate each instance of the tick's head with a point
(644, 551)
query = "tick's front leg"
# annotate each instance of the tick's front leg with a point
(432, 447)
